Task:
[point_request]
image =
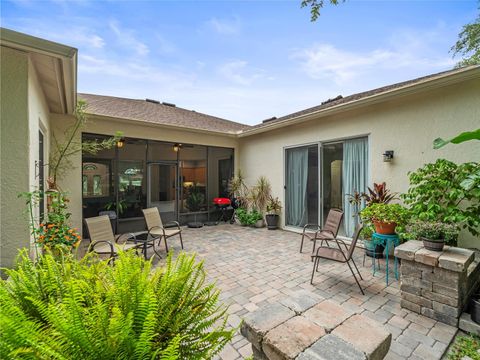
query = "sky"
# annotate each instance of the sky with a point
(245, 61)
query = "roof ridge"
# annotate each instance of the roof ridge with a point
(170, 107)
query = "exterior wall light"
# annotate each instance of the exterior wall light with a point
(120, 142)
(176, 147)
(388, 156)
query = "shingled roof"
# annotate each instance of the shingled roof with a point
(157, 113)
(339, 100)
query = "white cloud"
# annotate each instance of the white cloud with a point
(225, 26)
(126, 38)
(406, 50)
(237, 72)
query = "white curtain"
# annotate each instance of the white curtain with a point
(355, 177)
(296, 194)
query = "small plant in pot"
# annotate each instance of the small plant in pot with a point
(371, 250)
(434, 234)
(274, 207)
(385, 217)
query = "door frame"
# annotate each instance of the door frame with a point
(319, 180)
(177, 189)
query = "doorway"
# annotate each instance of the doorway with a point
(162, 189)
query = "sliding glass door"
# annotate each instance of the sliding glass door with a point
(344, 170)
(301, 186)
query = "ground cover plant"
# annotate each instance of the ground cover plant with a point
(88, 309)
(465, 346)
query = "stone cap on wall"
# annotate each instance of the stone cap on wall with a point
(450, 258)
(305, 326)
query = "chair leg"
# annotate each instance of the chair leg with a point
(351, 270)
(315, 262)
(361, 278)
(314, 243)
(181, 241)
(301, 244)
(166, 246)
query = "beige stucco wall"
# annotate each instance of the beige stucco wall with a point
(72, 181)
(14, 148)
(407, 125)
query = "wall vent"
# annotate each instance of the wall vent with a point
(152, 101)
(168, 104)
(270, 119)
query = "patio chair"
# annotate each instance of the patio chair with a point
(102, 239)
(339, 255)
(327, 233)
(156, 228)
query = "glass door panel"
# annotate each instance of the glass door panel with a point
(301, 186)
(163, 190)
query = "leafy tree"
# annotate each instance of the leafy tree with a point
(317, 5)
(70, 309)
(468, 44)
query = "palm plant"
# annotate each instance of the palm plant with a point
(89, 309)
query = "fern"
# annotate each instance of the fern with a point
(87, 309)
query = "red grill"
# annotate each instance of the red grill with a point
(222, 201)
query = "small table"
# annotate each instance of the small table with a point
(148, 241)
(385, 240)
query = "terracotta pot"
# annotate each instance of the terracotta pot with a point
(384, 228)
(436, 245)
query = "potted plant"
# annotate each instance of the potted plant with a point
(255, 219)
(242, 216)
(434, 234)
(371, 250)
(274, 206)
(385, 217)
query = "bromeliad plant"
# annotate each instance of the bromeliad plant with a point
(88, 309)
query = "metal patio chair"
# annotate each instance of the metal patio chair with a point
(156, 229)
(102, 239)
(339, 255)
(327, 233)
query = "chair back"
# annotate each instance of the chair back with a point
(356, 234)
(334, 219)
(152, 217)
(100, 229)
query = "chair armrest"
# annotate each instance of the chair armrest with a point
(174, 223)
(131, 236)
(91, 247)
(153, 228)
(317, 227)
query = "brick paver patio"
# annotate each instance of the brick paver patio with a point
(254, 267)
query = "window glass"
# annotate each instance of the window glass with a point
(193, 178)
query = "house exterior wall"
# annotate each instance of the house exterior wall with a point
(72, 182)
(406, 125)
(14, 153)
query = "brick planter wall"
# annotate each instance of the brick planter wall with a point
(435, 283)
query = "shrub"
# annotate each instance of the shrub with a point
(434, 231)
(464, 347)
(89, 309)
(446, 192)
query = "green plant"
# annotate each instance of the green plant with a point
(386, 213)
(434, 231)
(238, 189)
(52, 231)
(465, 346)
(60, 156)
(460, 138)
(112, 205)
(260, 194)
(195, 198)
(274, 205)
(367, 231)
(248, 217)
(88, 309)
(446, 192)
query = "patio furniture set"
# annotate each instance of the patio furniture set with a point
(104, 242)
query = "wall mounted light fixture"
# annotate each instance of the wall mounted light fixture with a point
(120, 142)
(388, 156)
(177, 147)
